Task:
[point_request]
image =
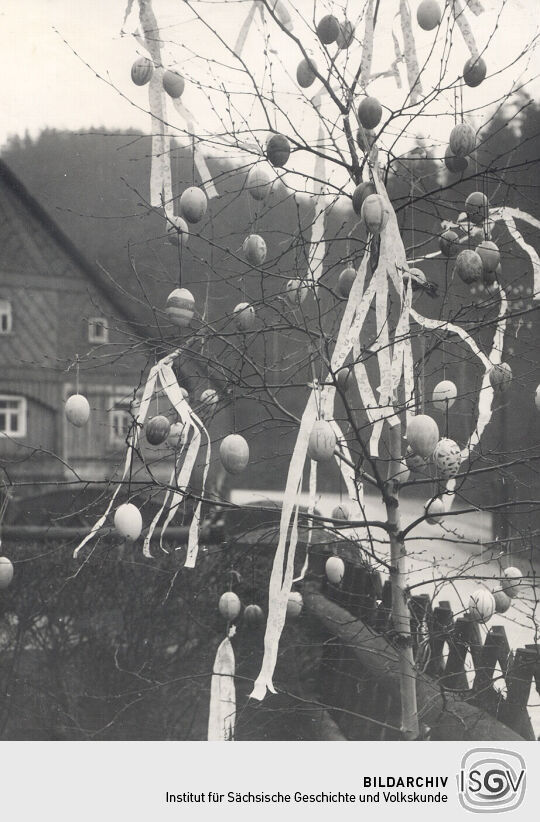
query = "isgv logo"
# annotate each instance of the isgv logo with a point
(491, 780)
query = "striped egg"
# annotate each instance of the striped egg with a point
(180, 307)
(141, 71)
(375, 213)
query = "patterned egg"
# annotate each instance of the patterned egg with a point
(305, 75)
(177, 232)
(434, 509)
(513, 580)
(259, 182)
(210, 397)
(77, 410)
(128, 521)
(175, 434)
(489, 254)
(157, 429)
(244, 317)
(341, 512)
(173, 83)
(502, 601)
(481, 605)
(375, 213)
(180, 307)
(360, 193)
(449, 243)
(296, 292)
(477, 207)
(253, 616)
(141, 71)
(456, 165)
(422, 435)
(428, 15)
(6, 572)
(328, 29)
(469, 266)
(234, 453)
(278, 150)
(295, 603)
(346, 34)
(335, 570)
(254, 249)
(193, 204)
(447, 458)
(414, 462)
(345, 281)
(370, 112)
(500, 377)
(322, 441)
(462, 140)
(229, 606)
(444, 395)
(474, 71)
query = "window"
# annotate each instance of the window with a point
(12, 416)
(6, 317)
(98, 331)
(121, 420)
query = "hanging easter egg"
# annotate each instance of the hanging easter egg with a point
(234, 453)
(346, 34)
(375, 213)
(259, 182)
(500, 377)
(414, 462)
(489, 254)
(278, 150)
(244, 317)
(229, 606)
(341, 512)
(141, 71)
(335, 570)
(481, 605)
(370, 112)
(429, 15)
(305, 73)
(6, 572)
(193, 204)
(173, 83)
(513, 579)
(434, 509)
(365, 139)
(180, 307)
(360, 193)
(502, 602)
(322, 441)
(209, 397)
(477, 207)
(456, 165)
(422, 435)
(175, 434)
(77, 410)
(447, 458)
(177, 232)
(328, 29)
(253, 616)
(474, 71)
(469, 266)
(462, 140)
(449, 243)
(295, 603)
(296, 292)
(157, 429)
(254, 249)
(537, 398)
(444, 395)
(401, 474)
(128, 521)
(345, 282)
(344, 378)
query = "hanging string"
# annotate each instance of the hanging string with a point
(193, 159)
(180, 246)
(77, 374)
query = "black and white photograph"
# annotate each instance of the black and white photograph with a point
(270, 404)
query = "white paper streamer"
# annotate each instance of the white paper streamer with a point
(458, 12)
(409, 51)
(207, 183)
(222, 716)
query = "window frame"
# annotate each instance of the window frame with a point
(120, 406)
(8, 312)
(22, 414)
(93, 324)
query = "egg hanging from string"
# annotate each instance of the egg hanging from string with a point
(469, 266)
(434, 509)
(253, 616)
(173, 83)
(462, 140)
(422, 434)
(341, 511)
(360, 193)
(234, 453)
(370, 112)
(401, 474)
(447, 458)
(193, 204)
(502, 601)
(128, 521)
(254, 249)
(444, 395)
(449, 243)
(335, 570)
(157, 429)
(278, 150)
(141, 71)
(481, 605)
(429, 15)
(344, 378)
(345, 37)
(512, 581)
(322, 442)
(456, 165)
(537, 398)
(474, 71)
(305, 73)
(175, 434)
(229, 606)
(6, 572)
(295, 603)
(177, 232)
(375, 213)
(296, 292)
(77, 410)
(209, 397)
(244, 317)
(346, 281)
(180, 307)
(259, 182)
(489, 254)
(477, 207)
(328, 29)
(500, 377)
